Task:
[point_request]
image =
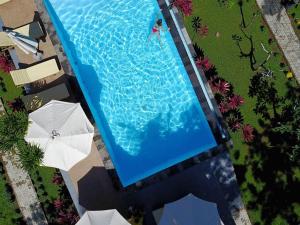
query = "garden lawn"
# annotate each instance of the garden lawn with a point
(224, 53)
(294, 14)
(11, 91)
(9, 212)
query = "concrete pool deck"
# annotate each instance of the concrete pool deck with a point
(17, 13)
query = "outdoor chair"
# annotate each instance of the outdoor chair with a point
(4, 1)
(32, 30)
(37, 100)
(35, 72)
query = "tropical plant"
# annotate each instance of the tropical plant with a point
(57, 179)
(223, 107)
(203, 31)
(221, 86)
(185, 6)
(234, 121)
(247, 131)
(203, 63)
(58, 203)
(196, 23)
(13, 127)
(31, 156)
(5, 65)
(235, 101)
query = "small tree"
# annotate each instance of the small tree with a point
(13, 127)
(30, 155)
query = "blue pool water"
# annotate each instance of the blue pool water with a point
(139, 93)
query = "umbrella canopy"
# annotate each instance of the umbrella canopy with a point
(26, 44)
(62, 131)
(190, 210)
(104, 217)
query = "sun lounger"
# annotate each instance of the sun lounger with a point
(35, 101)
(32, 30)
(3, 1)
(34, 73)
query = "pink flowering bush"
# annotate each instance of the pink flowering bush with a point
(204, 63)
(223, 107)
(248, 133)
(222, 87)
(5, 65)
(235, 101)
(58, 203)
(57, 179)
(185, 6)
(203, 31)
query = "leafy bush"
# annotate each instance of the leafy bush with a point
(185, 6)
(30, 155)
(13, 127)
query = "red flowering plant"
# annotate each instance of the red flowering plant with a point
(58, 203)
(247, 131)
(203, 31)
(223, 107)
(221, 86)
(235, 101)
(57, 179)
(234, 121)
(204, 63)
(185, 6)
(5, 65)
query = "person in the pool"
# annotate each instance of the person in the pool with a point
(156, 30)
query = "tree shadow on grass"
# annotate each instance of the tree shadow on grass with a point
(277, 189)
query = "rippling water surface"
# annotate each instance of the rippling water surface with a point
(141, 92)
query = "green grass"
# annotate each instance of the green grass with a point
(224, 53)
(8, 213)
(294, 14)
(11, 90)
(46, 175)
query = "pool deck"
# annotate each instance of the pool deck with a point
(17, 13)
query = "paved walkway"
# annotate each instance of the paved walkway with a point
(280, 24)
(24, 191)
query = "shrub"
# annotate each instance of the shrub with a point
(5, 65)
(185, 6)
(203, 31)
(30, 155)
(203, 63)
(248, 133)
(13, 127)
(235, 101)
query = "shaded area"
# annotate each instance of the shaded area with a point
(212, 180)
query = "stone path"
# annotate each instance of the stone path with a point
(24, 191)
(280, 24)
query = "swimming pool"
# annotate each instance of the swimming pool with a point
(139, 93)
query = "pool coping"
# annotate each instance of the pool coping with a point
(221, 145)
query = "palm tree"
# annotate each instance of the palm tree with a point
(30, 155)
(196, 25)
(13, 127)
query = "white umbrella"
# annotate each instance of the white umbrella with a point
(26, 44)
(104, 217)
(190, 210)
(62, 131)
